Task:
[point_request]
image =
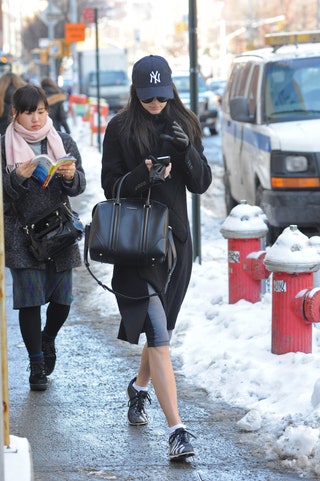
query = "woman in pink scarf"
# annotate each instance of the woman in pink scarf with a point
(37, 283)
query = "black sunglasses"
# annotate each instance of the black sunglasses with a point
(160, 99)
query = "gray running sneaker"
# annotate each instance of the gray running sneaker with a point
(137, 415)
(179, 445)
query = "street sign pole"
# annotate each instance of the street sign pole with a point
(51, 23)
(97, 77)
(75, 60)
(193, 53)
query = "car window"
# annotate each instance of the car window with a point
(253, 91)
(239, 77)
(182, 83)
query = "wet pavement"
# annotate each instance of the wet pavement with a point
(78, 428)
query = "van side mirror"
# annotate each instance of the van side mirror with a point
(239, 109)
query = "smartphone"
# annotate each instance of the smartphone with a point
(165, 160)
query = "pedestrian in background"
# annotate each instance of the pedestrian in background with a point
(155, 123)
(56, 99)
(37, 283)
(9, 83)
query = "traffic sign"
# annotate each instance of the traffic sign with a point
(51, 15)
(75, 32)
(88, 15)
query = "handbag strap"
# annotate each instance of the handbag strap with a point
(172, 261)
(116, 191)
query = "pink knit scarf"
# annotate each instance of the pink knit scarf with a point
(17, 139)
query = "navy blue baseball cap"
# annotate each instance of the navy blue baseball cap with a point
(151, 77)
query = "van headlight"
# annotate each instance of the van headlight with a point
(296, 163)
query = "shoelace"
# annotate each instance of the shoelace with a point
(49, 347)
(182, 434)
(139, 400)
(36, 368)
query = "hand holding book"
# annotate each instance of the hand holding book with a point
(46, 168)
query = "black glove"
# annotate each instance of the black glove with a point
(179, 139)
(158, 169)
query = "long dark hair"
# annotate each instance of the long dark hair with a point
(140, 126)
(9, 82)
(27, 98)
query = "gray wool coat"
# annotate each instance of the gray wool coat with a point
(25, 200)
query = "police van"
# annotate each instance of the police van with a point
(270, 132)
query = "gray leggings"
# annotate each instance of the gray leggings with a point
(156, 323)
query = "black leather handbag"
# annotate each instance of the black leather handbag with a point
(51, 233)
(130, 231)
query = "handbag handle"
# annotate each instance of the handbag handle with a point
(117, 190)
(172, 261)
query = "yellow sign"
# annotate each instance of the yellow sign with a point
(75, 32)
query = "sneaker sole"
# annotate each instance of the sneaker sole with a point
(38, 387)
(137, 424)
(180, 457)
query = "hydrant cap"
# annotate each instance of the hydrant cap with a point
(292, 252)
(244, 222)
(315, 242)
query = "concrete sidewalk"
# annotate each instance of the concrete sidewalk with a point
(17, 459)
(16, 456)
(78, 428)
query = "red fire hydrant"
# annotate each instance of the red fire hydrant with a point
(295, 302)
(244, 228)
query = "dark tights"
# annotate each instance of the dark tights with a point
(30, 324)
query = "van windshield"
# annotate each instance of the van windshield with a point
(292, 89)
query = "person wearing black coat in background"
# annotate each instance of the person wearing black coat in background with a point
(56, 99)
(155, 123)
(9, 83)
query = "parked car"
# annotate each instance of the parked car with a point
(217, 86)
(270, 132)
(208, 105)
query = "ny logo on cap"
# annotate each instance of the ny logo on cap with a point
(155, 77)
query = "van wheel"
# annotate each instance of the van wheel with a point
(229, 200)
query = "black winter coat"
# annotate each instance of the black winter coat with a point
(25, 201)
(190, 171)
(56, 109)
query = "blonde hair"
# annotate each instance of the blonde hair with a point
(6, 80)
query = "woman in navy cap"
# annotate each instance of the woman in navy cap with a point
(155, 123)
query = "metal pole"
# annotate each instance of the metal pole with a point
(75, 60)
(1, 431)
(3, 331)
(51, 23)
(193, 52)
(98, 76)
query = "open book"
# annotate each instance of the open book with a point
(47, 167)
